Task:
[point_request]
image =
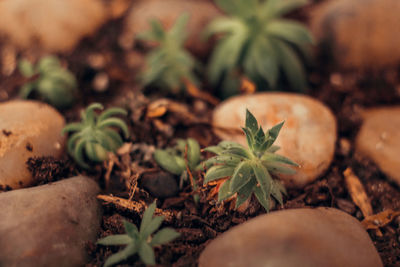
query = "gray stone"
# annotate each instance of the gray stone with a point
(290, 238)
(167, 11)
(359, 33)
(379, 139)
(48, 225)
(159, 184)
(27, 129)
(308, 136)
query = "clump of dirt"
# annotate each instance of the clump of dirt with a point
(48, 169)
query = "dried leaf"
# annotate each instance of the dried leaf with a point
(197, 93)
(357, 192)
(379, 220)
(247, 86)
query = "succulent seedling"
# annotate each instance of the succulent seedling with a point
(249, 170)
(169, 66)
(258, 43)
(95, 135)
(178, 159)
(140, 241)
(54, 84)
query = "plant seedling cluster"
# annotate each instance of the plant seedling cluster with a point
(140, 241)
(177, 160)
(169, 65)
(53, 84)
(94, 136)
(249, 170)
(258, 43)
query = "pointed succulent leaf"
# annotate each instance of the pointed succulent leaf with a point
(115, 240)
(147, 216)
(221, 25)
(249, 137)
(245, 192)
(251, 122)
(214, 149)
(238, 151)
(241, 176)
(291, 65)
(276, 193)
(128, 251)
(218, 172)
(78, 154)
(278, 158)
(278, 168)
(273, 133)
(289, 31)
(164, 236)
(131, 230)
(151, 227)
(226, 159)
(146, 254)
(273, 149)
(264, 201)
(224, 192)
(229, 144)
(263, 178)
(177, 31)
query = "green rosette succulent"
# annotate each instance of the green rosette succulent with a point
(256, 41)
(249, 170)
(54, 84)
(140, 241)
(95, 135)
(169, 64)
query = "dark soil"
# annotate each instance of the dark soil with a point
(345, 93)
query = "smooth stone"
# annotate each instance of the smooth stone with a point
(167, 11)
(159, 184)
(27, 129)
(379, 139)
(308, 136)
(291, 238)
(53, 25)
(48, 225)
(359, 33)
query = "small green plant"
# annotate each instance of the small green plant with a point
(53, 83)
(169, 65)
(257, 42)
(175, 159)
(249, 170)
(140, 241)
(95, 135)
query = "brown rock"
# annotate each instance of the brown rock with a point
(290, 238)
(55, 25)
(359, 33)
(49, 225)
(379, 140)
(308, 136)
(167, 11)
(27, 129)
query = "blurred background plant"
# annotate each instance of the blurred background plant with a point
(49, 81)
(256, 42)
(169, 66)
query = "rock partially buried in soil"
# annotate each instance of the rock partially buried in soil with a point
(27, 129)
(290, 238)
(379, 140)
(167, 11)
(359, 33)
(48, 225)
(308, 136)
(159, 184)
(55, 25)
